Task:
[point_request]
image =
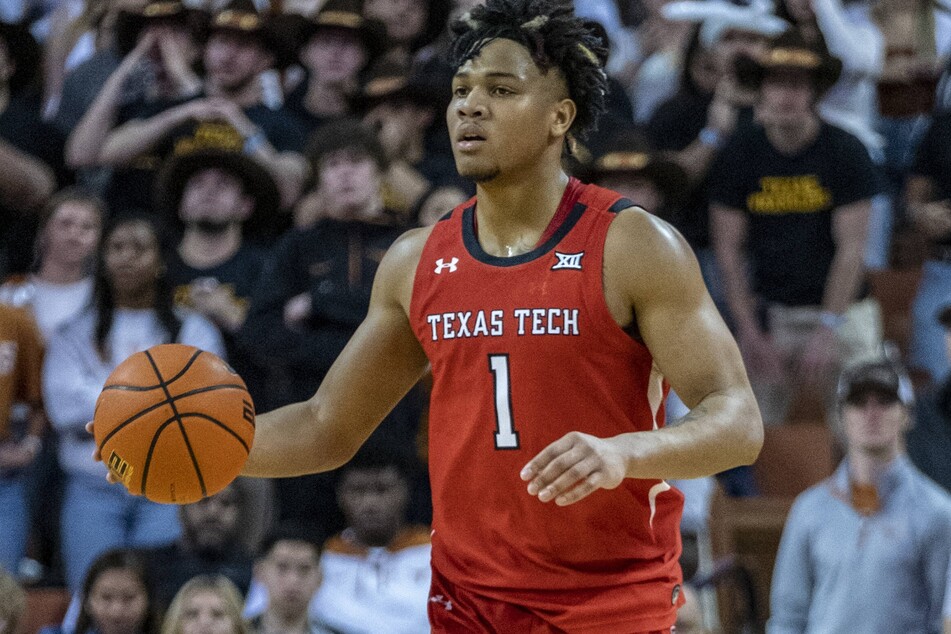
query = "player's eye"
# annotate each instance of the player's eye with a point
(502, 90)
(460, 91)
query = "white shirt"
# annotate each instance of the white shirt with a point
(52, 304)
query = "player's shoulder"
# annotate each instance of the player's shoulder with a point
(634, 233)
(407, 249)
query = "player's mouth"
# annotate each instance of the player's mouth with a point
(469, 137)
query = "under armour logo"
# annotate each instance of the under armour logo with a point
(568, 261)
(442, 264)
(441, 600)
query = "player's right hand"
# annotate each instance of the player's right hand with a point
(97, 456)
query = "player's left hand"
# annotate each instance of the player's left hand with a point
(573, 467)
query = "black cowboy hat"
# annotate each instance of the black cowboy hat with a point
(791, 52)
(129, 24)
(628, 153)
(24, 52)
(391, 81)
(243, 18)
(344, 15)
(258, 182)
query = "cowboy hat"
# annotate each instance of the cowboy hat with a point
(628, 154)
(129, 24)
(790, 52)
(178, 169)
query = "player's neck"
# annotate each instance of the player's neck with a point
(513, 212)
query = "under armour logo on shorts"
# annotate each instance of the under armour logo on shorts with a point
(441, 600)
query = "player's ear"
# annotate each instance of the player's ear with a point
(562, 117)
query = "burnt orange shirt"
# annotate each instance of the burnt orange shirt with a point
(21, 363)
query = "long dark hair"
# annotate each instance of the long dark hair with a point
(119, 559)
(102, 290)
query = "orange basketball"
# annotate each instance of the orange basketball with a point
(174, 423)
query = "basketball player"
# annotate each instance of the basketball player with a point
(553, 315)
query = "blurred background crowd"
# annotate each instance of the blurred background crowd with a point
(229, 174)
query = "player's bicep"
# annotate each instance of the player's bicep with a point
(678, 320)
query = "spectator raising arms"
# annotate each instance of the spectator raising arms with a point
(132, 310)
(790, 203)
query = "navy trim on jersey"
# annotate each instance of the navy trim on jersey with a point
(471, 241)
(621, 205)
(446, 216)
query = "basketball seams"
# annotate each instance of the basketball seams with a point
(148, 388)
(217, 422)
(152, 408)
(169, 421)
(181, 426)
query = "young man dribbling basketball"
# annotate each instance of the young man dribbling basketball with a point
(553, 315)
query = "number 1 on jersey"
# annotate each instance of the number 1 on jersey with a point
(505, 435)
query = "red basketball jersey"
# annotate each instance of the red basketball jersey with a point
(524, 350)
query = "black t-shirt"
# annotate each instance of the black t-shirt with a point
(238, 275)
(934, 159)
(674, 126)
(789, 201)
(131, 187)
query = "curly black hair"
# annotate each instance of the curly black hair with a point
(554, 37)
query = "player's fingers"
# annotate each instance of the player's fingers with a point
(584, 488)
(537, 464)
(570, 477)
(112, 478)
(555, 469)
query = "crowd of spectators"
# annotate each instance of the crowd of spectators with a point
(229, 174)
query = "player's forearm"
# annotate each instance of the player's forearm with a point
(723, 431)
(292, 441)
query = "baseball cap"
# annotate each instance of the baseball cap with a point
(881, 376)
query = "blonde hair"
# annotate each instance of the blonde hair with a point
(12, 602)
(219, 585)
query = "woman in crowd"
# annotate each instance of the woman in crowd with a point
(66, 244)
(132, 310)
(208, 604)
(115, 598)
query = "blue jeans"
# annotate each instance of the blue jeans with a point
(98, 516)
(14, 521)
(927, 351)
